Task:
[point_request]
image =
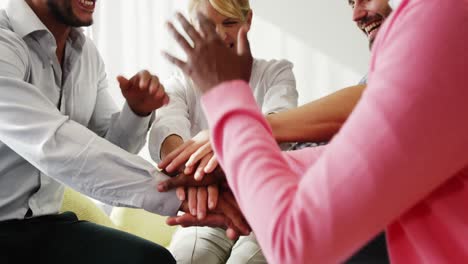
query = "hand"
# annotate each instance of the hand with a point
(210, 62)
(143, 93)
(184, 180)
(202, 199)
(227, 215)
(195, 151)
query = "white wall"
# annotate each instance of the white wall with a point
(319, 37)
(327, 49)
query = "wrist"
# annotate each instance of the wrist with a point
(272, 121)
(169, 144)
(139, 112)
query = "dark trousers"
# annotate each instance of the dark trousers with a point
(374, 252)
(65, 239)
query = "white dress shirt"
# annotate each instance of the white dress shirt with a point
(53, 126)
(273, 85)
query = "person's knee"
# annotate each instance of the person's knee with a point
(248, 251)
(200, 245)
(247, 258)
(150, 254)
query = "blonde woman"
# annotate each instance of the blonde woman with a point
(273, 86)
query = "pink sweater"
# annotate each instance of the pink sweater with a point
(398, 163)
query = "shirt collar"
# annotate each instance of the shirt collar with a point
(23, 19)
(24, 22)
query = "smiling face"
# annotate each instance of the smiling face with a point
(227, 25)
(75, 13)
(369, 16)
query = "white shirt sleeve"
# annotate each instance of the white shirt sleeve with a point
(64, 150)
(125, 128)
(173, 119)
(281, 93)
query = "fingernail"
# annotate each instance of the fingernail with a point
(211, 205)
(201, 215)
(181, 197)
(193, 212)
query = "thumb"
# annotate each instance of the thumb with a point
(123, 82)
(243, 45)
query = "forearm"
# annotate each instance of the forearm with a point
(72, 154)
(318, 120)
(282, 206)
(128, 130)
(169, 144)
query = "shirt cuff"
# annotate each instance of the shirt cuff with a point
(159, 134)
(162, 203)
(128, 119)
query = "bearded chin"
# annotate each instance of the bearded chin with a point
(64, 14)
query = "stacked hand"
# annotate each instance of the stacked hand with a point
(196, 151)
(225, 215)
(143, 92)
(209, 200)
(194, 155)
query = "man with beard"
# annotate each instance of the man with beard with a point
(59, 126)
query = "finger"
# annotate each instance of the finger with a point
(201, 168)
(160, 96)
(182, 158)
(164, 164)
(177, 62)
(212, 164)
(188, 181)
(180, 192)
(155, 87)
(179, 38)
(229, 198)
(232, 234)
(189, 170)
(243, 45)
(234, 216)
(160, 91)
(202, 201)
(166, 100)
(185, 220)
(189, 29)
(213, 194)
(184, 207)
(199, 154)
(172, 183)
(145, 80)
(207, 27)
(192, 200)
(124, 83)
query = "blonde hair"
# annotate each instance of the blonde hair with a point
(238, 9)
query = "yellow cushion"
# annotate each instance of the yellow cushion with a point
(135, 221)
(144, 224)
(84, 208)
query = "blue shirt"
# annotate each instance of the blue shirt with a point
(59, 126)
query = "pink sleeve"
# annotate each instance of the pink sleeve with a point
(405, 138)
(300, 160)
